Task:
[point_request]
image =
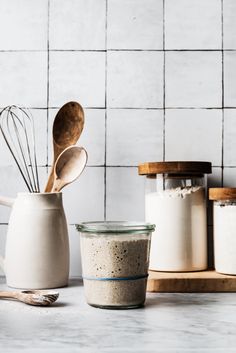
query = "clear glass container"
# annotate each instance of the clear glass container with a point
(224, 229)
(115, 259)
(175, 201)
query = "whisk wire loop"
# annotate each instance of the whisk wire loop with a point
(17, 127)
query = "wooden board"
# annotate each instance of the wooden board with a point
(190, 282)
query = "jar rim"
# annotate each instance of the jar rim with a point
(115, 227)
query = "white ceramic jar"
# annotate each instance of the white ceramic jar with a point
(224, 229)
(175, 201)
(37, 246)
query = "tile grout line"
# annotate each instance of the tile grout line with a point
(104, 51)
(48, 79)
(222, 87)
(164, 85)
(138, 108)
(105, 147)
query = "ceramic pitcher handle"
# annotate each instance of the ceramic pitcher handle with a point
(6, 201)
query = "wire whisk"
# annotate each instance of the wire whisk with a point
(17, 127)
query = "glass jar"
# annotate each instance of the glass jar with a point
(224, 229)
(175, 201)
(115, 258)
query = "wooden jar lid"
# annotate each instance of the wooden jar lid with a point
(175, 168)
(222, 194)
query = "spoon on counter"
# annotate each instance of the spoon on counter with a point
(32, 297)
(68, 166)
(67, 127)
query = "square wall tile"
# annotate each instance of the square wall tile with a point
(92, 137)
(23, 25)
(84, 198)
(23, 79)
(193, 79)
(75, 258)
(193, 24)
(125, 194)
(229, 14)
(229, 137)
(229, 175)
(229, 79)
(40, 127)
(135, 24)
(77, 24)
(134, 136)
(78, 76)
(194, 134)
(3, 237)
(135, 79)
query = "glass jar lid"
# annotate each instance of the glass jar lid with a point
(188, 167)
(222, 194)
(115, 227)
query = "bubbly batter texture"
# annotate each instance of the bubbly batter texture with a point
(115, 256)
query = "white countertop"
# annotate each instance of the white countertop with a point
(168, 323)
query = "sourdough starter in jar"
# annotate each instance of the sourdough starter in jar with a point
(115, 264)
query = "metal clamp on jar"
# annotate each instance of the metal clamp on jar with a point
(175, 201)
(224, 229)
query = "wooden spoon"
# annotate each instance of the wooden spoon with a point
(68, 166)
(32, 297)
(67, 127)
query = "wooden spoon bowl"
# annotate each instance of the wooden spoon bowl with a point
(67, 127)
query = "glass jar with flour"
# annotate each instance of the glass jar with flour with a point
(224, 229)
(175, 200)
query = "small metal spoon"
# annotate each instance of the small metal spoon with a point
(68, 166)
(32, 297)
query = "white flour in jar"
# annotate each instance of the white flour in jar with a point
(225, 237)
(111, 257)
(179, 242)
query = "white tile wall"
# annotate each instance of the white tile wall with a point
(193, 79)
(125, 194)
(23, 25)
(79, 76)
(154, 82)
(186, 139)
(23, 78)
(131, 25)
(229, 8)
(193, 24)
(229, 79)
(134, 136)
(229, 175)
(229, 137)
(77, 24)
(134, 79)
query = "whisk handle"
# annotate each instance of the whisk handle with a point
(6, 201)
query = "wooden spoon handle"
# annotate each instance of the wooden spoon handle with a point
(58, 185)
(8, 294)
(49, 185)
